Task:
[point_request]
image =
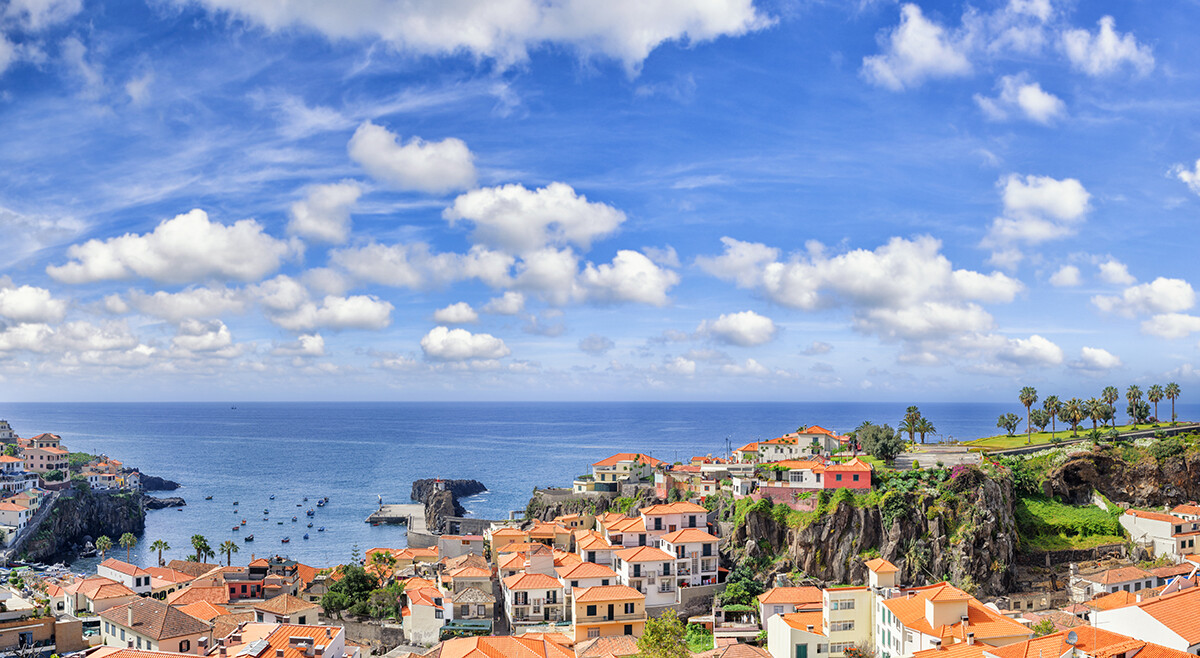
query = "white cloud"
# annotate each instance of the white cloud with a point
(416, 266)
(746, 328)
(24, 233)
(665, 256)
(1106, 51)
(89, 73)
(519, 220)
(432, 167)
(914, 51)
(1018, 94)
(29, 304)
(200, 302)
(458, 313)
(510, 303)
(1191, 178)
(335, 312)
(8, 53)
(505, 30)
(138, 89)
(306, 345)
(749, 367)
(1032, 351)
(444, 344)
(680, 366)
(198, 336)
(1115, 272)
(36, 15)
(631, 277)
(1036, 209)
(1067, 276)
(324, 213)
(1171, 325)
(1161, 295)
(1096, 359)
(182, 249)
(596, 345)
(817, 348)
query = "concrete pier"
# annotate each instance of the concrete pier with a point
(410, 514)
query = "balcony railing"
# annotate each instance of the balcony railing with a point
(617, 617)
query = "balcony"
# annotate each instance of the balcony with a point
(597, 619)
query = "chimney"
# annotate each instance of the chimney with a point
(937, 643)
(911, 594)
(129, 616)
(236, 637)
(222, 651)
(329, 632)
(319, 650)
(202, 643)
(810, 628)
(970, 638)
(279, 653)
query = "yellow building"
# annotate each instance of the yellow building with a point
(606, 611)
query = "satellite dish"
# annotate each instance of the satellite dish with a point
(1072, 638)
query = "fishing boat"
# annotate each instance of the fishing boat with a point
(311, 512)
(279, 523)
(299, 505)
(236, 528)
(286, 539)
(266, 511)
(243, 521)
(293, 519)
(309, 524)
(321, 529)
(235, 502)
(306, 535)
(272, 496)
(208, 498)
(306, 499)
(248, 538)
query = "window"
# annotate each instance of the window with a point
(707, 551)
(604, 582)
(184, 645)
(629, 610)
(856, 477)
(591, 611)
(628, 629)
(574, 583)
(593, 632)
(842, 604)
(777, 610)
(438, 614)
(838, 477)
(301, 622)
(841, 626)
(122, 634)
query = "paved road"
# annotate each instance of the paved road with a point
(930, 455)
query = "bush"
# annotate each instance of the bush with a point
(1167, 447)
(622, 504)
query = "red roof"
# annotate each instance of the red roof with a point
(628, 457)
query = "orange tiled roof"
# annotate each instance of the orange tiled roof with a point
(681, 507)
(585, 570)
(1120, 575)
(628, 524)
(155, 619)
(611, 646)
(644, 554)
(1153, 516)
(628, 457)
(590, 540)
(284, 604)
(1179, 612)
(531, 581)
(981, 621)
(524, 646)
(688, 536)
(216, 594)
(1186, 509)
(749, 447)
(608, 593)
(1113, 601)
(509, 532)
(512, 561)
(203, 610)
(880, 565)
(281, 638)
(1089, 640)
(427, 596)
(470, 572)
(802, 620)
(854, 464)
(565, 558)
(807, 595)
(958, 650)
(123, 567)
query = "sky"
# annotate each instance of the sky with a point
(577, 200)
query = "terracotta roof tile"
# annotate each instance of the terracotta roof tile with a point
(531, 581)
(608, 593)
(802, 620)
(154, 619)
(644, 554)
(688, 536)
(807, 595)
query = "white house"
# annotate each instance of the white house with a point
(1166, 534)
(650, 571)
(796, 635)
(14, 515)
(846, 613)
(585, 574)
(135, 578)
(662, 519)
(927, 617)
(786, 600)
(1172, 620)
(151, 624)
(532, 599)
(1085, 587)
(696, 556)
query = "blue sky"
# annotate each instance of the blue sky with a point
(562, 199)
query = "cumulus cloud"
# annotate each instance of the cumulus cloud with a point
(510, 303)
(1067, 276)
(1190, 177)
(518, 220)
(916, 50)
(197, 302)
(417, 165)
(680, 366)
(746, 329)
(458, 313)
(1161, 295)
(1036, 209)
(505, 30)
(202, 336)
(28, 304)
(1096, 359)
(306, 345)
(748, 368)
(336, 312)
(631, 277)
(596, 345)
(817, 348)
(1171, 325)
(1017, 94)
(1106, 51)
(1115, 272)
(185, 248)
(415, 265)
(324, 213)
(445, 344)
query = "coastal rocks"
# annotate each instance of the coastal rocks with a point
(150, 502)
(82, 516)
(460, 488)
(1144, 483)
(970, 540)
(440, 498)
(152, 483)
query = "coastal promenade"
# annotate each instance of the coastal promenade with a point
(410, 514)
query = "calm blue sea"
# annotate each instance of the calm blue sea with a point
(355, 453)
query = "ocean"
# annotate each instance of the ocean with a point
(355, 453)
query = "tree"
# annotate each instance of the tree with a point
(160, 546)
(56, 475)
(383, 563)
(1155, 394)
(201, 545)
(228, 547)
(11, 450)
(664, 637)
(881, 441)
(104, 545)
(1009, 422)
(741, 588)
(1134, 395)
(1073, 412)
(909, 424)
(1027, 396)
(1095, 410)
(1040, 419)
(1172, 393)
(1110, 395)
(924, 426)
(1043, 627)
(1053, 407)
(127, 542)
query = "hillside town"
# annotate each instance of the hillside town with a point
(646, 552)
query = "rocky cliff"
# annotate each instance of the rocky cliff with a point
(968, 537)
(1146, 482)
(150, 502)
(81, 518)
(153, 483)
(440, 503)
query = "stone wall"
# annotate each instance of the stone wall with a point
(380, 637)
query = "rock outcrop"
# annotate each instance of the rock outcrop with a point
(971, 541)
(1144, 483)
(153, 483)
(81, 518)
(441, 502)
(150, 502)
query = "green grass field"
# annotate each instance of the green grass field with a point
(1045, 524)
(1002, 442)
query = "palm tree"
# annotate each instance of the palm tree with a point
(127, 542)
(1053, 408)
(201, 545)
(1134, 395)
(924, 427)
(1110, 395)
(1027, 397)
(1073, 413)
(1172, 393)
(229, 548)
(160, 546)
(908, 426)
(1094, 409)
(103, 544)
(1155, 395)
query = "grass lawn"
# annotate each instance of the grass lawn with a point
(1045, 524)
(1002, 442)
(1068, 542)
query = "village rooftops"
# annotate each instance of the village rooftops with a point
(644, 554)
(531, 645)
(1119, 599)
(154, 619)
(524, 581)
(585, 570)
(802, 621)
(1186, 509)
(609, 646)
(124, 567)
(203, 610)
(959, 650)
(1179, 612)
(98, 588)
(284, 604)
(1091, 641)
(985, 623)
(800, 596)
(681, 507)
(1154, 516)
(880, 565)
(689, 536)
(633, 524)
(629, 457)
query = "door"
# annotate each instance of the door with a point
(610, 611)
(801, 651)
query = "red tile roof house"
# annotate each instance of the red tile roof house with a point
(786, 481)
(1166, 534)
(608, 474)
